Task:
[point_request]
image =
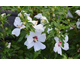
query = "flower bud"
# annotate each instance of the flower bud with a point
(24, 23)
(3, 14)
(18, 6)
(78, 12)
(6, 28)
(9, 45)
(53, 15)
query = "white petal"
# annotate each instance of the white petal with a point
(19, 14)
(38, 16)
(69, 14)
(60, 51)
(16, 32)
(29, 45)
(56, 39)
(27, 14)
(49, 30)
(57, 49)
(66, 38)
(33, 34)
(26, 43)
(29, 18)
(38, 46)
(30, 39)
(22, 27)
(39, 28)
(43, 18)
(17, 22)
(78, 12)
(66, 46)
(78, 23)
(42, 38)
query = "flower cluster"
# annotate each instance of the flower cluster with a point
(36, 39)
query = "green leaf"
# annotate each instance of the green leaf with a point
(36, 53)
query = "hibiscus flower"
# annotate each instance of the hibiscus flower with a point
(28, 15)
(18, 24)
(34, 40)
(42, 18)
(29, 18)
(39, 28)
(58, 45)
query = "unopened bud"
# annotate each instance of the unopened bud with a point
(24, 23)
(18, 6)
(68, 19)
(3, 14)
(62, 35)
(9, 45)
(20, 15)
(53, 15)
(6, 28)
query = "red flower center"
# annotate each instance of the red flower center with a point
(59, 44)
(35, 39)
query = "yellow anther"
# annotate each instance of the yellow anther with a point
(18, 26)
(36, 23)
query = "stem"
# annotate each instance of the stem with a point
(74, 54)
(3, 33)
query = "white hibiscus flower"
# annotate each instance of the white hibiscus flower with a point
(29, 18)
(58, 46)
(28, 15)
(42, 18)
(78, 24)
(34, 40)
(78, 12)
(40, 28)
(19, 25)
